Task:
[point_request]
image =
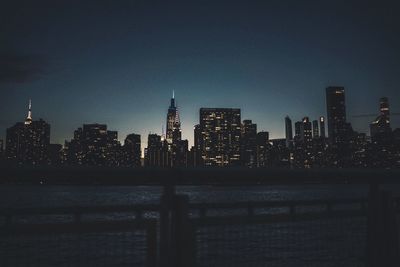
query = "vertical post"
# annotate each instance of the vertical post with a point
(151, 239)
(184, 232)
(382, 235)
(166, 206)
(176, 231)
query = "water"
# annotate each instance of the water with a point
(18, 196)
(339, 242)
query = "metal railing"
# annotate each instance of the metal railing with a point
(177, 232)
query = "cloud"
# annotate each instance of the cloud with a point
(21, 68)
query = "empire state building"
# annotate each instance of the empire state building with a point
(173, 133)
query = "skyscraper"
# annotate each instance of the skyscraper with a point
(132, 150)
(220, 136)
(336, 110)
(297, 131)
(288, 131)
(306, 132)
(249, 144)
(94, 145)
(28, 142)
(262, 149)
(322, 127)
(173, 122)
(157, 153)
(315, 129)
(381, 125)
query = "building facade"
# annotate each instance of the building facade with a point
(220, 136)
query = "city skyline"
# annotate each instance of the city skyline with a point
(187, 132)
(117, 63)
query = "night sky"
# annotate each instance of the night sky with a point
(117, 62)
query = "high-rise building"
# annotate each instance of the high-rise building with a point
(132, 150)
(221, 136)
(173, 122)
(157, 153)
(384, 107)
(303, 143)
(315, 129)
(249, 144)
(297, 131)
(336, 110)
(262, 149)
(322, 127)
(177, 147)
(288, 131)
(306, 132)
(28, 142)
(381, 125)
(94, 145)
(196, 159)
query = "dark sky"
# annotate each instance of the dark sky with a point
(117, 62)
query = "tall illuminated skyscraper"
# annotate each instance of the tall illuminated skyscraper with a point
(173, 122)
(177, 147)
(221, 136)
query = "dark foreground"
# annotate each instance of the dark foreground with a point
(230, 218)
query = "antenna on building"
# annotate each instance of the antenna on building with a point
(28, 119)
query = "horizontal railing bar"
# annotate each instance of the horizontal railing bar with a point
(274, 218)
(190, 176)
(83, 227)
(78, 209)
(156, 207)
(283, 204)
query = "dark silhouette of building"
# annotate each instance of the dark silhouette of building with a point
(28, 142)
(297, 131)
(249, 144)
(55, 154)
(336, 110)
(132, 151)
(263, 147)
(196, 152)
(94, 145)
(157, 153)
(315, 129)
(221, 136)
(288, 132)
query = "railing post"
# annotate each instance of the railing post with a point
(166, 207)
(382, 235)
(184, 233)
(176, 231)
(151, 240)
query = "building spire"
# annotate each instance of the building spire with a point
(173, 94)
(28, 119)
